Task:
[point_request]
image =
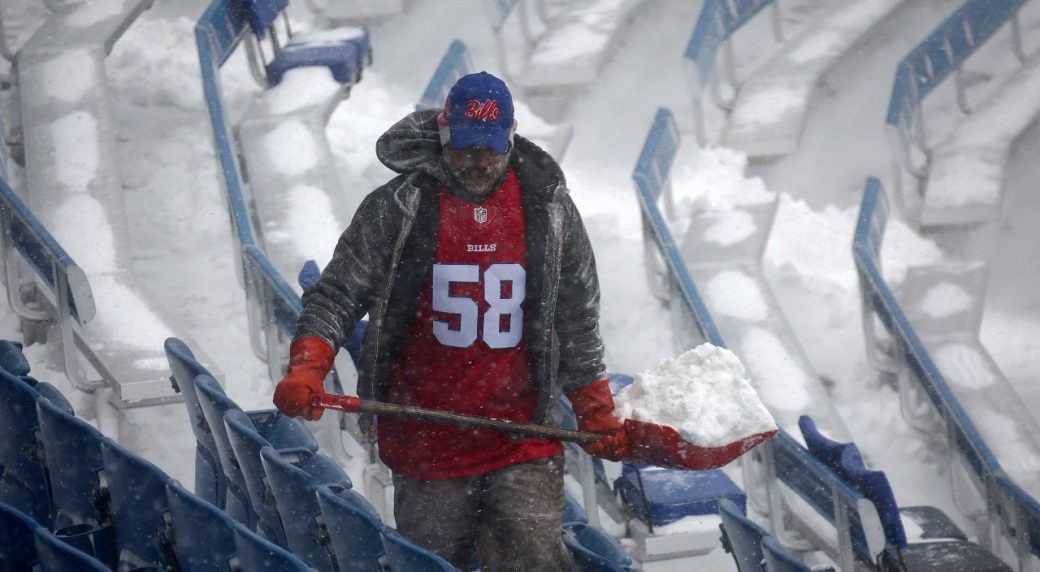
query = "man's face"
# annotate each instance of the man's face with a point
(478, 169)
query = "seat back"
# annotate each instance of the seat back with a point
(12, 359)
(875, 487)
(262, 14)
(137, 496)
(17, 550)
(56, 556)
(203, 535)
(72, 448)
(24, 480)
(406, 556)
(215, 403)
(743, 536)
(778, 560)
(354, 528)
(294, 489)
(455, 64)
(246, 443)
(823, 448)
(210, 483)
(573, 512)
(593, 549)
(257, 554)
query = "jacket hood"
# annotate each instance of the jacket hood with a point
(413, 145)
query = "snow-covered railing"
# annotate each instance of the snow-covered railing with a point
(74, 189)
(218, 32)
(717, 22)
(800, 475)
(64, 283)
(770, 109)
(272, 304)
(669, 279)
(455, 64)
(1011, 512)
(938, 56)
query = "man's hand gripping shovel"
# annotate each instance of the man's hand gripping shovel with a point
(649, 443)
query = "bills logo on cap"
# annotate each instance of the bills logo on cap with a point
(486, 110)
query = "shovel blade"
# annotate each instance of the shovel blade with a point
(661, 445)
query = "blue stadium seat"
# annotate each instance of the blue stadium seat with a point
(660, 496)
(344, 51)
(53, 555)
(573, 512)
(72, 448)
(17, 548)
(12, 359)
(828, 451)
(256, 554)
(405, 556)
(140, 511)
(354, 528)
(294, 486)
(23, 480)
(246, 442)
(203, 535)
(594, 550)
(741, 537)
(283, 433)
(950, 554)
(210, 482)
(778, 560)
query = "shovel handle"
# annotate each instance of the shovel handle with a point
(352, 404)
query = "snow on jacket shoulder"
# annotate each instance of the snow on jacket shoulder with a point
(382, 260)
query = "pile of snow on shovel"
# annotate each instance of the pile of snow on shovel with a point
(703, 394)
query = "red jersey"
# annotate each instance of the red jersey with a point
(464, 352)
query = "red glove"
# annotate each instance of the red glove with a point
(310, 359)
(593, 405)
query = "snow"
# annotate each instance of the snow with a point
(735, 294)
(184, 248)
(704, 394)
(300, 88)
(945, 299)
(89, 13)
(69, 75)
(75, 136)
(291, 148)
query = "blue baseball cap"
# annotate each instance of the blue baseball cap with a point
(479, 111)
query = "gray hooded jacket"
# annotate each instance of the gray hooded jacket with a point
(383, 259)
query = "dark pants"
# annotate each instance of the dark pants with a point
(511, 518)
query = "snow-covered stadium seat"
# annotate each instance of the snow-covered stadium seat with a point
(203, 535)
(55, 555)
(137, 493)
(210, 482)
(17, 549)
(285, 434)
(965, 182)
(771, 106)
(406, 556)
(294, 487)
(732, 292)
(73, 42)
(344, 51)
(354, 528)
(938, 56)
(583, 30)
(72, 448)
(23, 480)
(741, 536)
(255, 553)
(776, 559)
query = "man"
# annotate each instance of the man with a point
(480, 284)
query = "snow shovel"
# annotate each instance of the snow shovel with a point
(649, 443)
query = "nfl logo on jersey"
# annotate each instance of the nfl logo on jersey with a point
(480, 214)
